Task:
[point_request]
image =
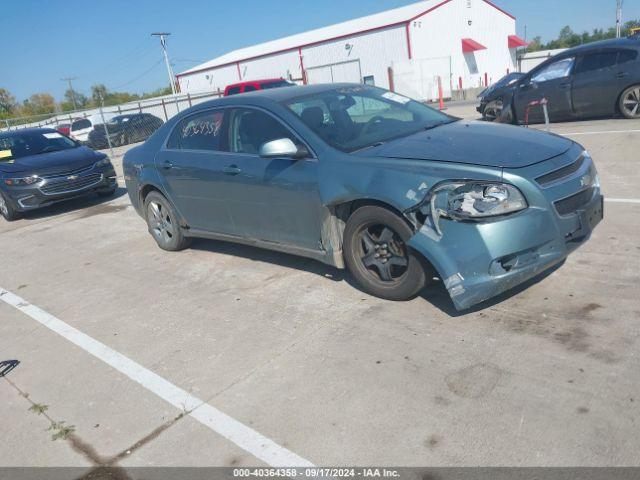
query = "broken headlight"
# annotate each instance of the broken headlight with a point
(476, 200)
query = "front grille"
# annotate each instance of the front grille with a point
(67, 186)
(563, 172)
(574, 202)
(78, 171)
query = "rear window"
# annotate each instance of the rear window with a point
(249, 88)
(233, 90)
(80, 125)
(281, 83)
(201, 131)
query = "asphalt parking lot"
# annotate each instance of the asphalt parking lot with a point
(263, 358)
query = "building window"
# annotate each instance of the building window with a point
(369, 80)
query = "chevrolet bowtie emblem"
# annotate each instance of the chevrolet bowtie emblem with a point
(72, 177)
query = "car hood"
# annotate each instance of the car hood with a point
(476, 143)
(53, 162)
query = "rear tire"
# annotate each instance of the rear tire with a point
(629, 103)
(162, 221)
(378, 257)
(7, 210)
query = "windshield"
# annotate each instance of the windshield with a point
(353, 118)
(23, 144)
(509, 79)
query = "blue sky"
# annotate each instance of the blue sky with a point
(108, 41)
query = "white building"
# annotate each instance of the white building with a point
(466, 43)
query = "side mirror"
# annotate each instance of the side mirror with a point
(282, 147)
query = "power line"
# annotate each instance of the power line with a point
(139, 76)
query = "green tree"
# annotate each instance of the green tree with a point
(81, 101)
(8, 104)
(38, 104)
(98, 91)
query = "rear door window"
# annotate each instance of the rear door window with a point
(249, 88)
(201, 131)
(627, 56)
(596, 61)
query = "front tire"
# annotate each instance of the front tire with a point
(378, 257)
(629, 103)
(8, 211)
(162, 221)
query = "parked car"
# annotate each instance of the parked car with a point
(124, 129)
(490, 99)
(362, 178)
(254, 85)
(64, 128)
(597, 79)
(81, 127)
(40, 166)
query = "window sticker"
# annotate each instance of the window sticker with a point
(52, 135)
(394, 97)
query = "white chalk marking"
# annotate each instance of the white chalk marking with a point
(597, 132)
(244, 437)
(622, 200)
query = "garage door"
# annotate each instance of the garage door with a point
(335, 73)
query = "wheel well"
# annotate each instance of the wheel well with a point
(342, 211)
(146, 190)
(617, 106)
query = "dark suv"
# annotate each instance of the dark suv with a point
(597, 79)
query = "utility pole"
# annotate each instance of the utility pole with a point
(73, 93)
(619, 18)
(163, 42)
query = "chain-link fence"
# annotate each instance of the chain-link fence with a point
(115, 125)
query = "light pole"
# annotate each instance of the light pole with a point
(163, 42)
(619, 18)
(73, 93)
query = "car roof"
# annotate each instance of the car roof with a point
(276, 95)
(26, 131)
(612, 43)
(253, 82)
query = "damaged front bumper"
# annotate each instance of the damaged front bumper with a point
(479, 260)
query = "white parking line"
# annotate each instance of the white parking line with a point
(622, 200)
(244, 437)
(597, 132)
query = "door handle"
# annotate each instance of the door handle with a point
(167, 165)
(622, 74)
(564, 86)
(232, 170)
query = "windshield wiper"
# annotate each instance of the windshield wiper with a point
(438, 124)
(373, 145)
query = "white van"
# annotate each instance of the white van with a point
(81, 127)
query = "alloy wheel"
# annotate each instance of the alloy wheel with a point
(383, 253)
(160, 223)
(631, 103)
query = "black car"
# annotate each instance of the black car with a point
(490, 99)
(40, 166)
(124, 129)
(594, 80)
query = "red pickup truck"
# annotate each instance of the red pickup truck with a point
(254, 85)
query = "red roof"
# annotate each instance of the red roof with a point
(515, 42)
(470, 45)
